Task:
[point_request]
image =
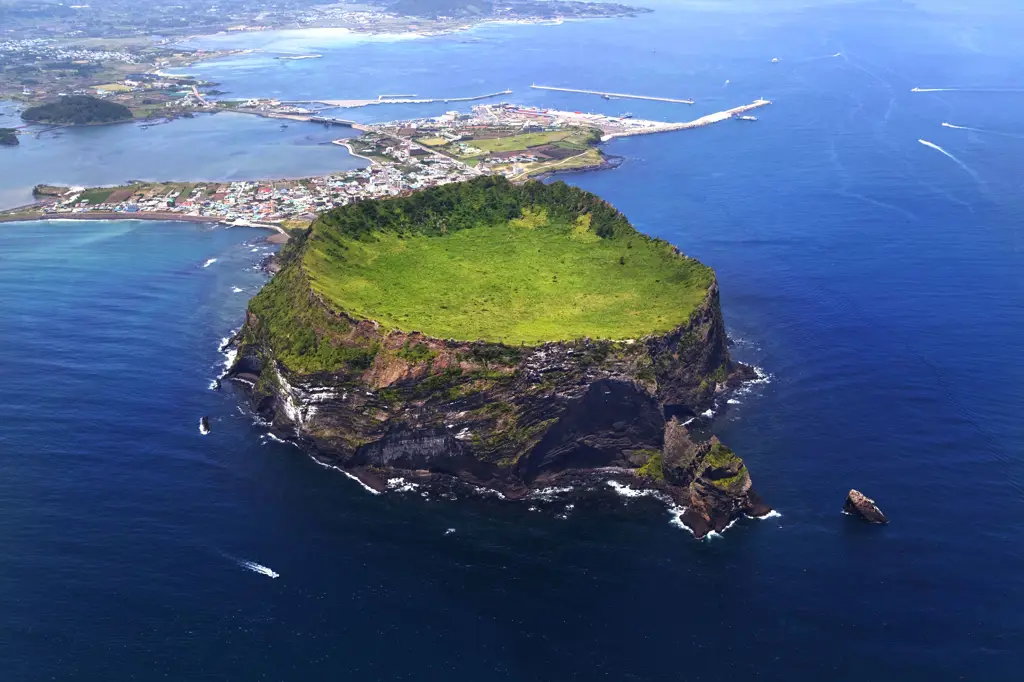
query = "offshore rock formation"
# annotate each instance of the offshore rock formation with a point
(860, 505)
(511, 419)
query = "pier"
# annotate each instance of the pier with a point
(697, 123)
(394, 99)
(331, 121)
(617, 95)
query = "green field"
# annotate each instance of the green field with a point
(432, 141)
(517, 142)
(585, 159)
(550, 273)
(96, 195)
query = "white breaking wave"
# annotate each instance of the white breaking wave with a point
(626, 490)
(353, 477)
(770, 515)
(209, 262)
(675, 512)
(228, 352)
(236, 290)
(677, 521)
(258, 568)
(400, 485)
(488, 491)
(229, 358)
(715, 534)
(549, 494)
(763, 379)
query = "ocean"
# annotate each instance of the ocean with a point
(874, 278)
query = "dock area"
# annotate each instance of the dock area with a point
(393, 99)
(696, 123)
(617, 95)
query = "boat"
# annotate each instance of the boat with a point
(627, 115)
(747, 118)
(605, 97)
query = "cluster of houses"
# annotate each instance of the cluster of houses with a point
(50, 50)
(269, 201)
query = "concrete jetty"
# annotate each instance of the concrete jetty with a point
(618, 95)
(391, 99)
(696, 123)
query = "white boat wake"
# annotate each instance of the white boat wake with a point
(958, 162)
(995, 91)
(983, 131)
(258, 568)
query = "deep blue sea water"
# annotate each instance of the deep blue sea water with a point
(876, 279)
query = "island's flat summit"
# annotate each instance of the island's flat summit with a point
(487, 260)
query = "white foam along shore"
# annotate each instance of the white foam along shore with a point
(674, 510)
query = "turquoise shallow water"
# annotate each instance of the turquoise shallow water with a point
(876, 280)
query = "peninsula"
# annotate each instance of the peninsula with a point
(515, 337)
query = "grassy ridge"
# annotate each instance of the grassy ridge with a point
(492, 261)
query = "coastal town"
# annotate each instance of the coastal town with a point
(401, 157)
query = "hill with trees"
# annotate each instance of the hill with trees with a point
(78, 110)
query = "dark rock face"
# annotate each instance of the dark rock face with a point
(858, 504)
(518, 419)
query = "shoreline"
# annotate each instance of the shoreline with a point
(280, 236)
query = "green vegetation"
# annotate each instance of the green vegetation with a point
(721, 457)
(493, 261)
(8, 137)
(419, 352)
(654, 468)
(589, 158)
(572, 139)
(96, 195)
(305, 337)
(517, 142)
(78, 110)
(432, 141)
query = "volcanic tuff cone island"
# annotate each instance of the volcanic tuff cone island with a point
(514, 337)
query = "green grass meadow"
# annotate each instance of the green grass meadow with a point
(526, 281)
